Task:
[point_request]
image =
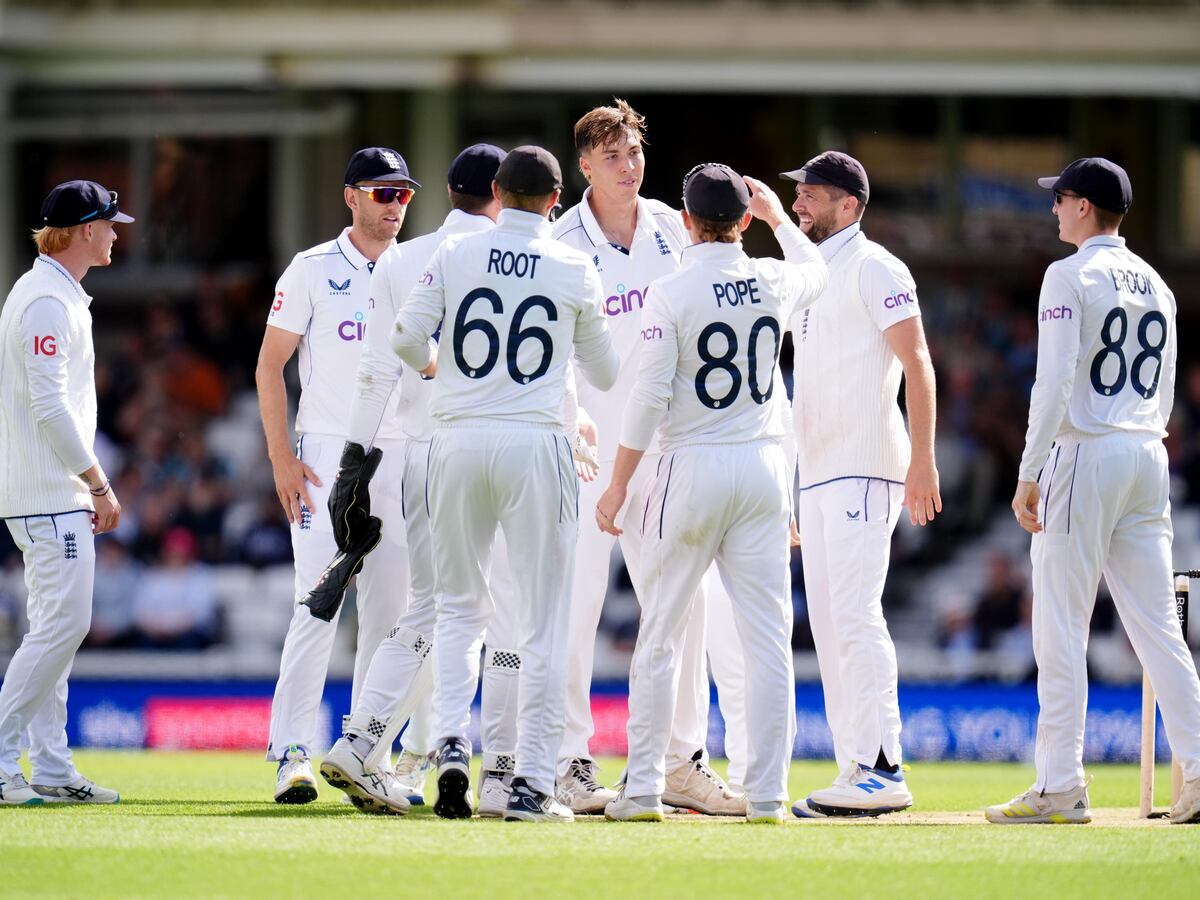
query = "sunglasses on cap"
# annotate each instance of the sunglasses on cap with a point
(1060, 196)
(386, 194)
(103, 212)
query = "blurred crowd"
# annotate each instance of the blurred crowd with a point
(179, 424)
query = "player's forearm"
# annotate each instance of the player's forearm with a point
(920, 399)
(65, 436)
(1047, 407)
(272, 406)
(810, 273)
(410, 340)
(625, 465)
(374, 384)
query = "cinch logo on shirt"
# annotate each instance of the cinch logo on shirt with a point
(1056, 312)
(426, 278)
(663, 248)
(341, 290)
(622, 301)
(896, 300)
(1131, 281)
(353, 330)
(45, 346)
(652, 334)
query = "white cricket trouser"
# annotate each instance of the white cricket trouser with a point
(521, 478)
(396, 678)
(382, 593)
(728, 503)
(501, 667)
(728, 667)
(1105, 508)
(689, 730)
(60, 567)
(845, 542)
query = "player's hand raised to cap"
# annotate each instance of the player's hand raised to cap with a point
(765, 203)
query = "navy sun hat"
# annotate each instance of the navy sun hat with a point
(529, 170)
(1096, 179)
(78, 202)
(715, 192)
(378, 164)
(841, 170)
(474, 170)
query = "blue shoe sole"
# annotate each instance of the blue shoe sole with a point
(454, 795)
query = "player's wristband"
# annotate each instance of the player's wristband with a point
(101, 491)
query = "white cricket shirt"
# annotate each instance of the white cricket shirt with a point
(1107, 348)
(47, 394)
(626, 276)
(711, 342)
(511, 301)
(395, 275)
(847, 379)
(324, 297)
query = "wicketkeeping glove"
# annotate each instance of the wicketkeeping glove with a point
(349, 493)
(326, 596)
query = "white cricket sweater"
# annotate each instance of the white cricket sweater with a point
(47, 394)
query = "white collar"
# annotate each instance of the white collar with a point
(591, 227)
(710, 251)
(55, 264)
(1103, 240)
(525, 221)
(346, 246)
(838, 240)
(459, 222)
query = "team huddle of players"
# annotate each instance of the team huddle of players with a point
(622, 361)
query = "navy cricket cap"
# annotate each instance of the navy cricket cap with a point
(715, 192)
(474, 170)
(77, 202)
(529, 170)
(378, 164)
(1103, 182)
(841, 170)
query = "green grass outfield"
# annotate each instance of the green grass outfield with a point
(203, 825)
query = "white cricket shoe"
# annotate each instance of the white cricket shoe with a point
(801, 810)
(633, 809)
(15, 791)
(81, 790)
(693, 785)
(494, 791)
(862, 791)
(527, 804)
(770, 812)
(1187, 807)
(372, 792)
(294, 781)
(412, 770)
(1036, 807)
(580, 790)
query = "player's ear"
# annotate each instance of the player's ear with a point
(495, 191)
(746, 219)
(585, 169)
(350, 195)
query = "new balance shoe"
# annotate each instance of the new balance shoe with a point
(801, 810)
(1036, 807)
(375, 791)
(1187, 807)
(294, 781)
(633, 809)
(580, 790)
(494, 791)
(863, 791)
(412, 770)
(15, 791)
(693, 785)
(454, 779)
(81, 790)
(527, 804)
(770, 812)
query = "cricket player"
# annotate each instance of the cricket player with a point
(857, 468)
(320, 308)
(631, 242)
(723, 488)
(511, 303)
(398, 682)
(1093, 490)
(54, 495)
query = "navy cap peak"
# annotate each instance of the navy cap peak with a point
(78, 202)
(377, 164)
(840, 170)
(1094, 178)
